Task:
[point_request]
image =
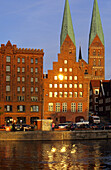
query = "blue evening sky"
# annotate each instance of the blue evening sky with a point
(37, 24)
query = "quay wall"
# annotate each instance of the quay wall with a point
(55, 135)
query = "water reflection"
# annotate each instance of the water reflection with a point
(79, 155)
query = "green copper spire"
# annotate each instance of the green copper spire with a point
(67, 27)
(96, 26)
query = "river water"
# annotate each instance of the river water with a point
(57, 155)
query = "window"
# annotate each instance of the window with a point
(23, 79)
(50, 107)
(36, 70)
(70, 77)
(79, 107)
(18, 69)
(23, 89)
(36, 89)
(60, 69)
(7, 59)
(36, 61)
(32, 61)
(55, 85)
(20, 98)
(18, 79)
(23, 60)
(75, 85)
(75, 77)
(32, 89)
(7, 68)
(96, 91)
(23, 69)
(70, 94)
(60, 85)
(34, 109)
(65, 61)
(36, 79)
(94, 62)
(70, 85)
(94, 52)
(65, 85)
(18, 89)
(8, 108)
(96, 99)
(64, 107)
(7, 78)
(21, 108)
(80, 86)
(70, 69)
(65, 94)
(80, 94)
(65, 77)
(50, 94)
(60, 94)
(99, 63)
(73, 107)
(31, 70)
(55, 94)
(75, 94)
(65, 69)
(55, 77)
(18, 60)
(50, 85)
(7, 98)
(32, 79)
(34, 99)
(57, 107)
(7, 88)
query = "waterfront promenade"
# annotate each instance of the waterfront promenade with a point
(55, 135)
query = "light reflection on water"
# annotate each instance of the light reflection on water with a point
(58, 155)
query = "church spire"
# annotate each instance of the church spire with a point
(67, 27)
(96, 26)
(80, 54)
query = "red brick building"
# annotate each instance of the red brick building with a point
(21, 83)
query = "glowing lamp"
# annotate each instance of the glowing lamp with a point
(60, 77)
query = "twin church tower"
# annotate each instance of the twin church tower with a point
(96, 58)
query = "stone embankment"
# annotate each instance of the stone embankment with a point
(56, 135)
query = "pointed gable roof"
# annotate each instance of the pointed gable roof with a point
(80, 54)
(96, 25)
(67, 27)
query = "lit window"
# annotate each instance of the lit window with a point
(21, 98)
(99, 63)
(70, 77)
(23, 89)
(36, 79)
(23, 69)
(60, 77)
(50, 107)
(80, 86)
(34, 108)
(79, 107)
(7, 58)
(36, 70)
(32, 79)
(94, 62)
(57, 107)
(60, 69)
(36, 89)
(73, 107)
(34, 99)
(32, 61)
(75, 94)
(50, 85)
(65, 94)
(70, 85)
(70, 94)
(80, 94)
(7, 88)
(65, 69)
(60, 94)
(18, 79)
(75, 85)
(94, 52)
(7, 68)
(70, 69)
(75, 77)
(18, 89)
(55, 77)
(60, 85)
(7, 78)
(65, 85)
(8, 108)
(55, 85)
(31, 69)
(50, 94)
(65, 61)
(18, 69)
(65, 77)
(23, 79)
(23, 60)
(36, 61)
(21, 108)
(55, 94)
(32, 89)
(64, 107)
(96, 91)
(18, 60)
